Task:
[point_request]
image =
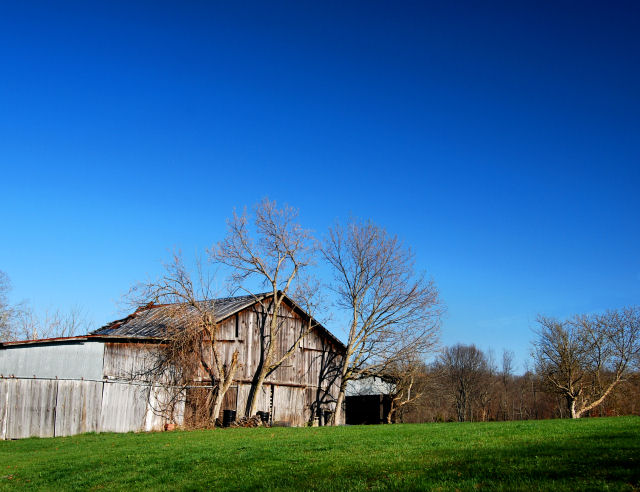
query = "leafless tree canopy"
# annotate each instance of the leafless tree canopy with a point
(7, 312)
(393, 311)
(585, 357)
(404, 375)
(51, 324)
(21, 322)
(275, 252)
(465, 373)
(507, 365)
(189, 350)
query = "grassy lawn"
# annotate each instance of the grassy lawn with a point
(588, 454)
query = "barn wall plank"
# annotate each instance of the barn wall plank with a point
(243, 396)
(165, 405)
(263, 403)
(43, 398)
(128, 361)
(4, 406)
(31, 409)
(288, 405)
(230, 401)
(78, 408)
(124, 407)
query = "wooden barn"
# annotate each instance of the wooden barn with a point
(66, 386)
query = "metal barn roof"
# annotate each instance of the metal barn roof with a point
(152, 321)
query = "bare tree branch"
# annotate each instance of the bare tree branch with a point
(189, 350)
(393, 312)
(280, 254)
(584, 358)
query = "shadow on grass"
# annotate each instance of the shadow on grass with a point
(593, 462)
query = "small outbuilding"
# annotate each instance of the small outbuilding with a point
(368, 401)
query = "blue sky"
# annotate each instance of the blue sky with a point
(499, 140)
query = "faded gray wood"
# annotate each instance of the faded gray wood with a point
(163, 407)
(127, 361)
(78, 408)
(263, 403)
(47, 408)
(124, 407)
(4, 406)
(288, 405)
(31, 408)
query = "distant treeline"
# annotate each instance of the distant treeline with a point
(466, 385)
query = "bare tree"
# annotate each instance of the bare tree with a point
(462, 370)
(275, 254)
(7, 311)
(404, 375)
(392, 310)
(506, 378)
(20, 321)
(585, 357)
(189, 347)
(507, 365)
(52, 324)
(487, 389)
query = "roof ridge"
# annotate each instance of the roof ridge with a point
(242, 301)
(151, 322)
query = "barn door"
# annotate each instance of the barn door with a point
(230, 400)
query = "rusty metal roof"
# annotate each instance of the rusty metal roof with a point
(153, 321)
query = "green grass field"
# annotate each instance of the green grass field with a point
(588, 454)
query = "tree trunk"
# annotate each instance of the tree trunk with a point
(337, 416)
(224, 385)
(256, 387)
(217, 405)
(571, 403)
(266, 362)
(392, 410)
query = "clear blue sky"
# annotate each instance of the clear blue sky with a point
(500, 140)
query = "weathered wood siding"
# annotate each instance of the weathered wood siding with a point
(289, 405)
(127, 360)
(4, 408)
(304, 385)
(160, 398)
(263, 403)
(50, 407)
(29, 408)
(78, 407)
(124, 407)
